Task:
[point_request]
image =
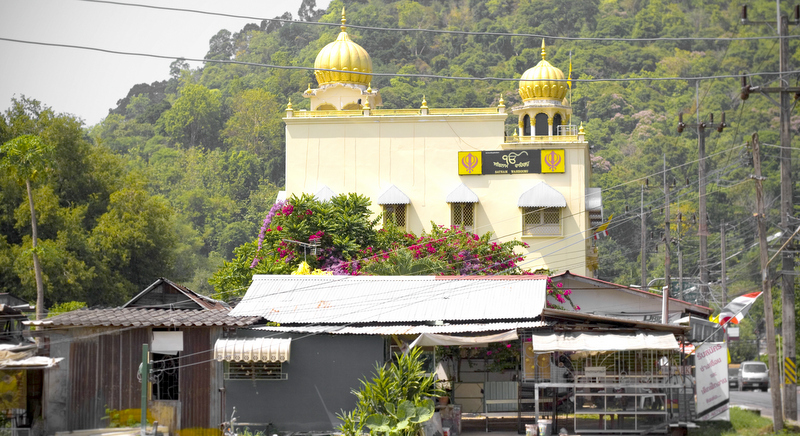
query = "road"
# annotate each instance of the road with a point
(754, 399)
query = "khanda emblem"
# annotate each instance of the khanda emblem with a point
(470, 162)
(552, 160)
(511, 158)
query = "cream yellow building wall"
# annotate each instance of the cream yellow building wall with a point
(419, 155)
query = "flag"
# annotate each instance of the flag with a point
(569, 76)
(603, 229)
(738, 308)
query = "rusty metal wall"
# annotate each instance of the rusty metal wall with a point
(195, 377)
(102, 374)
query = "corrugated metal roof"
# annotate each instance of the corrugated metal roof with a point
(404, 329)
(393, 195)
(202, 301)
(542, 195)
(137, 317)
(462, 194)
(594, 205)
(325, 193)
(401, 299)
(594, 199)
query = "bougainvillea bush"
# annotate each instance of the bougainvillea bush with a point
(340, 237)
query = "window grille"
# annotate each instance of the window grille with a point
(255, 371)
(164, 377)
(463, 215)
(395, 214)
(537, 221)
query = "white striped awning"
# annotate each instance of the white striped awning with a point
(252, 350)
(325, 193)
(542, 195)
(591, 341)
(462, 194)
(393, 195)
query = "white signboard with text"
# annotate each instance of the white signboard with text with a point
(711, 375)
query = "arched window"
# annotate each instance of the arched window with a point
(556, 124)
(541, 125)
(526, 125)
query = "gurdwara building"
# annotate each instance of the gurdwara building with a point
(450, 166)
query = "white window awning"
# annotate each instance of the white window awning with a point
(252, 350)
(462, 194)
(393, 195)
(432, 339)
(542, 195)
(167, 342)
(325, 193)
(603, 341)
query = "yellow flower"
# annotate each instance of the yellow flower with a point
(302, 270)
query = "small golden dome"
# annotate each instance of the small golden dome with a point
(345, 55)
(542, 82)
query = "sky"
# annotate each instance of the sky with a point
(88, 83)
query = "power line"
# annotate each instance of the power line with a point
(414, 76)
(448, 32)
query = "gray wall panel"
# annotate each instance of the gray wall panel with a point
(321, 373)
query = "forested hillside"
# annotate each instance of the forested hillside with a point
(182, 171)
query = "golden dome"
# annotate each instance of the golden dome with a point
(541, 82)
(345, 55)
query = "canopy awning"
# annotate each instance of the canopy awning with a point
(252, 350)
(603, 341)
(542, 195)
(33, 362)
(393, 195)
(431, 339)
(462, 194)
(324, 194)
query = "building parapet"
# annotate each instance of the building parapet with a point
(395, 112)
(541, 139)
(323, 114)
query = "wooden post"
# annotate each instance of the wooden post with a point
(667, 278)
(145, 372)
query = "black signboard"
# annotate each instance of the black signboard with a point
(512, 162)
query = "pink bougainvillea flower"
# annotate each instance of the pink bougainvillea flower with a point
(559, 284)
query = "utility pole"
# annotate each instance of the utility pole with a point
(668, 285)
(766, 288)
(702, 230)
(724, 269)
(644, 240)
(680, 255)
(787, 259)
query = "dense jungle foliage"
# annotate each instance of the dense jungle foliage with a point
(184, 170)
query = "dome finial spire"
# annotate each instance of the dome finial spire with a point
(544, 52)
(344, 20)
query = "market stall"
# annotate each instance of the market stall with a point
(604, 377)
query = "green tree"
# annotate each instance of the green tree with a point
(25, 157)
(195, 117)
(135, 238)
